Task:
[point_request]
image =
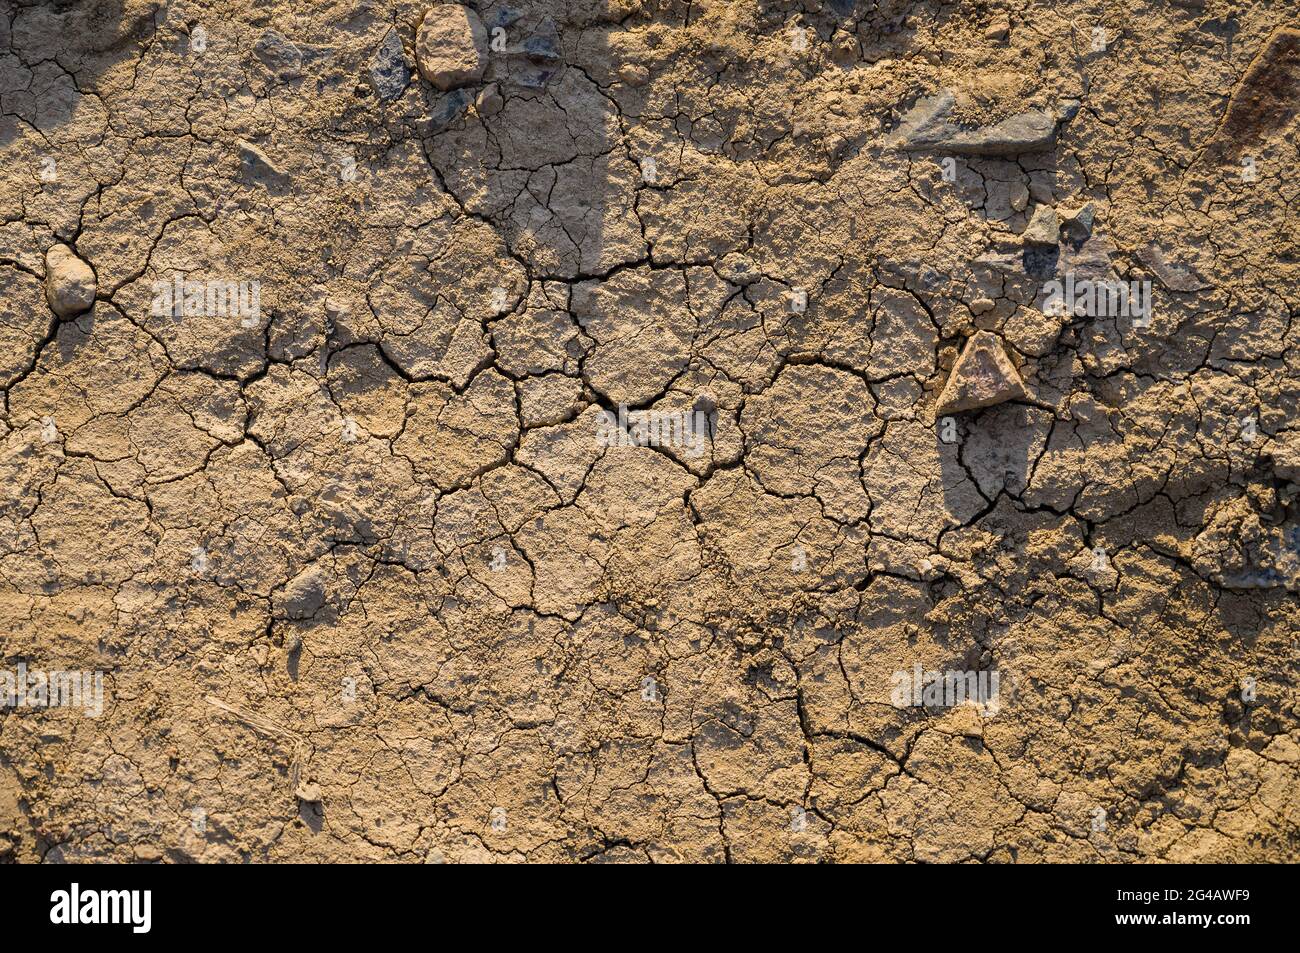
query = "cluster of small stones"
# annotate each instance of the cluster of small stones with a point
(316, 318)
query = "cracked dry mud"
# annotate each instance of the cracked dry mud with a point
(364, 585)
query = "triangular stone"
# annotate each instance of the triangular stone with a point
(983, 376)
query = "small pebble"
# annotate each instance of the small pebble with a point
(634, 74)
(70, 284)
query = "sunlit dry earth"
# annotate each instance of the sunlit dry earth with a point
(603, 430)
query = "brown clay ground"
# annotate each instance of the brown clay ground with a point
(364, 584)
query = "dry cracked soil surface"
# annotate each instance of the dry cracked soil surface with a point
(643, 430)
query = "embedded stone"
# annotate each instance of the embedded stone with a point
(256, 168)
(451, 46)
(928, 126)
(70, 284)
(1044, 227)
(389, 71)
(279, 55)
(1077, 225)
(983, 376)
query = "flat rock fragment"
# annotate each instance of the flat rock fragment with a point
(451, 46)
(390, 73)
(983, 376)
(1173, 275)
(1077, 225)
(929, 126)
(278, 54)
(256, 168)
(1044, 228)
